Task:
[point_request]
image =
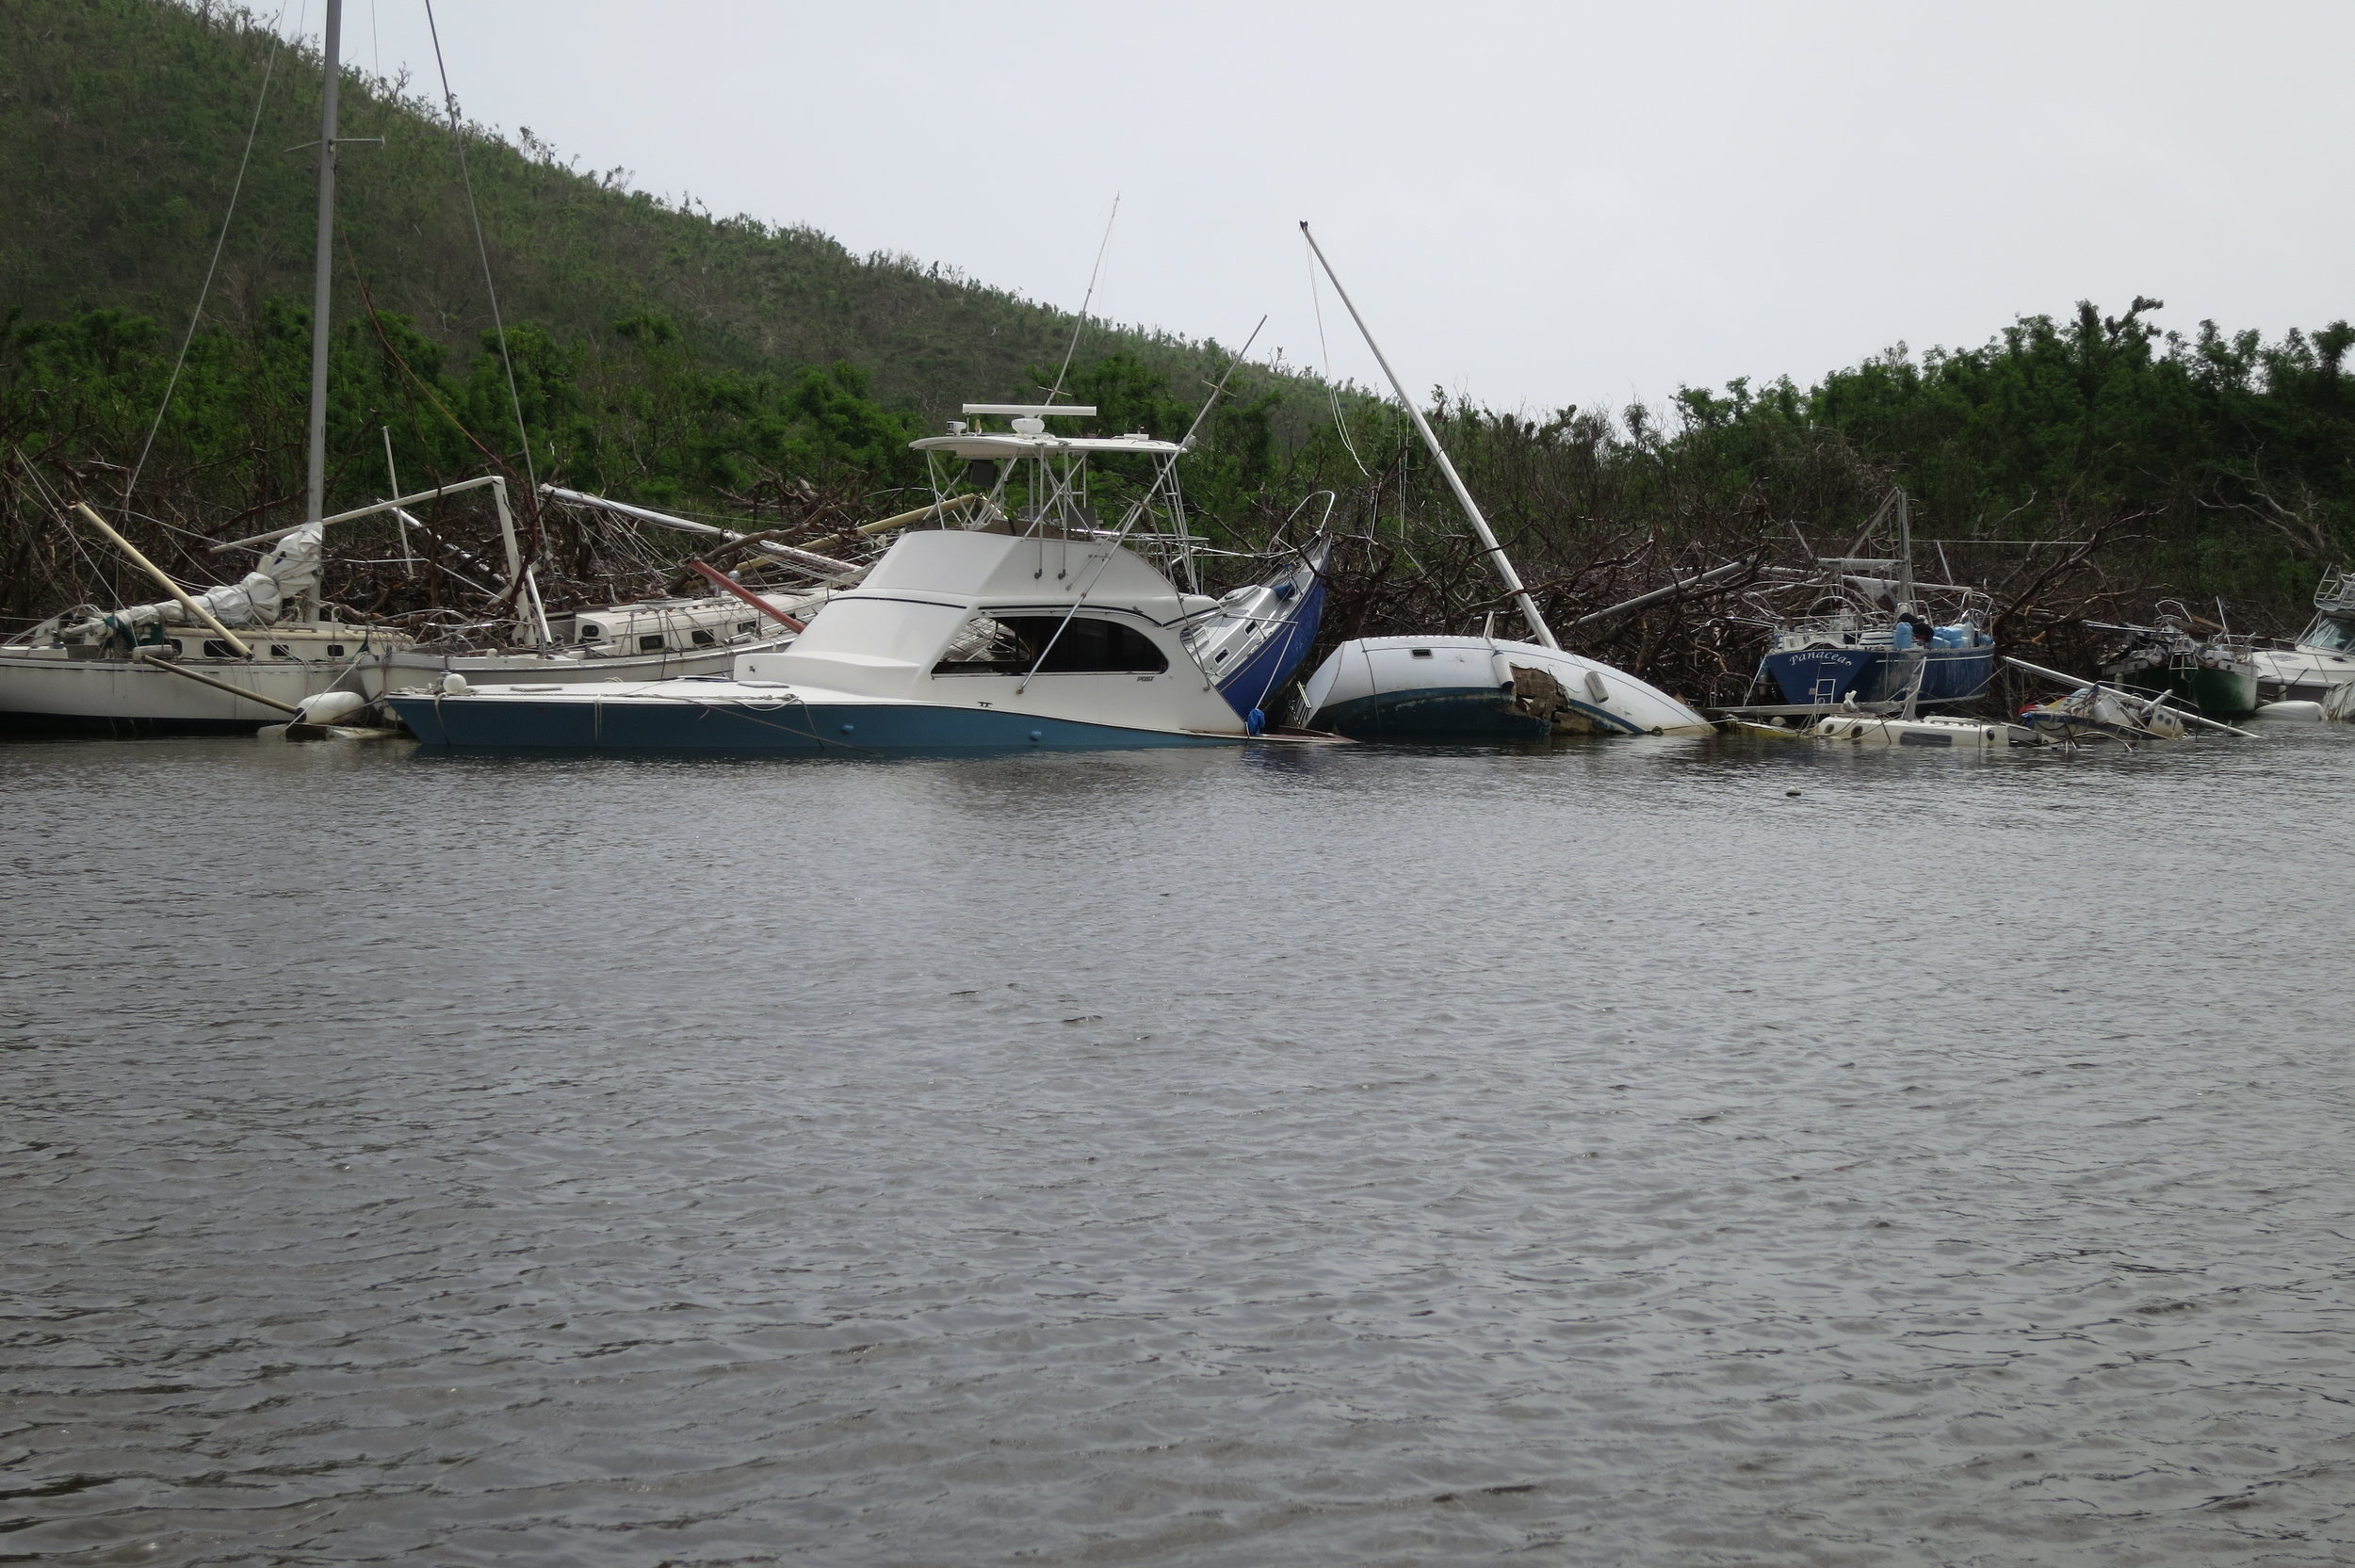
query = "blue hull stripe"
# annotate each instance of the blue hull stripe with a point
(786, 729)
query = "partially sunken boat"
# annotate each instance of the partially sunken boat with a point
(226, 659)
(1450, 688)
(1034, 625)
(2213, 674)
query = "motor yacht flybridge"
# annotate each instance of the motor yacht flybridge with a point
(1061, 610)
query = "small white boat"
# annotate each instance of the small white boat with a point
(2100, 712)
(1480, 688)
(1931, 731)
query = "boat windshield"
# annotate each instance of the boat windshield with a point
(1082, 645)
(2330, 634)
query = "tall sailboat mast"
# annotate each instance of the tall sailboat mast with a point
(315, 486)
(1537, 626)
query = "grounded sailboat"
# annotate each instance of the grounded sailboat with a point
(233, 657)
(1441, 689)
(1875, 637)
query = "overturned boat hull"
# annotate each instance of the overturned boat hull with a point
(1477, 689)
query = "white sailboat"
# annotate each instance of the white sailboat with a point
(233, 657)
(1476, 688)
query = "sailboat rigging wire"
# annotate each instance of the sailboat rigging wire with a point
(1316, 303)
(1076, 327)
(474, 215)
(237, 189)
(1167, 474)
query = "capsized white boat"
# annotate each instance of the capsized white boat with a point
(1481, 688)
(2099, 712)
(1441, 688)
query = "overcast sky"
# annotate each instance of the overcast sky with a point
(1536, 204)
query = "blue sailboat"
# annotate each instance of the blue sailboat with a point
(1872, 636)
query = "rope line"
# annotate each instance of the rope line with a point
(1325, 354)
(482, 250)
(180, 360)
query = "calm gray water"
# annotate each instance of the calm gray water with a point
(1210, 1158)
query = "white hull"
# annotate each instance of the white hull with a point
(1933, 732)
(2304, 675)
(1441, 689)
(121, 696)
(415, 667)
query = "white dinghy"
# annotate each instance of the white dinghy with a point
(1444, 688)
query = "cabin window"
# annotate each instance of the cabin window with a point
(650, 644)
(1419, 653)
(1086, 646)
(334, 650)
(706, 639)
(742, 627)
(590, 631)
(216, 649)
(280, 651)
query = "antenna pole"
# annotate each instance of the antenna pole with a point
(1471, 509)
(315, 479)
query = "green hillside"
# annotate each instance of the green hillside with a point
(121, 124)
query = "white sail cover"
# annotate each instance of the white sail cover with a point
(290, 570)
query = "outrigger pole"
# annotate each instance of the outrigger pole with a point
(1471, 509)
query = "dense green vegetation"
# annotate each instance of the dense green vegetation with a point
(121, 126)
(726, 367)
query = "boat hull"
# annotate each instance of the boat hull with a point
(2304, 675)
(488, 722)
(40, 694)
(1433, 716)
(1877, 674)
(2219, 694)
(417, 668)
(1272, 662)
(1434, 690)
